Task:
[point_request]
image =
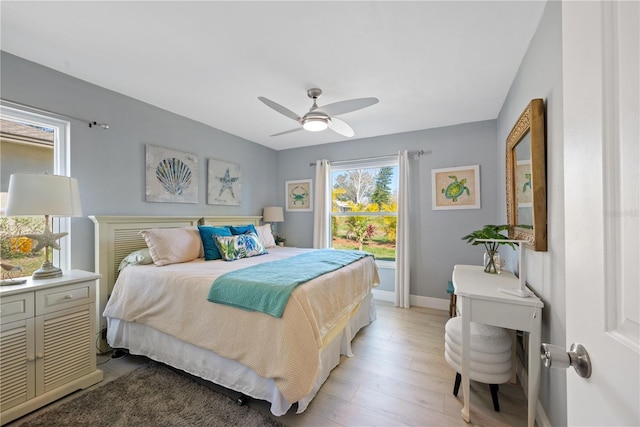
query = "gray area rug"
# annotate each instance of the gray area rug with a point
(153, 395)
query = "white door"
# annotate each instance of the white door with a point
(601, 96)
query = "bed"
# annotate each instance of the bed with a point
(163, 313)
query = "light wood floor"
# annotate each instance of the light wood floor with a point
(397, 377)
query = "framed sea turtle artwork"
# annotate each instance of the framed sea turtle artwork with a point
(524, 187)
(298, 195)
(456, 188)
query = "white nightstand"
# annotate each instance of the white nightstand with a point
(47, 341)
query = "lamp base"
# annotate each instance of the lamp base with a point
(46, 271)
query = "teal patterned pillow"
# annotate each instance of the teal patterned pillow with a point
(239, 246)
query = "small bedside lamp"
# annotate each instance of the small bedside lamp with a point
(48, 195)
(273, 214)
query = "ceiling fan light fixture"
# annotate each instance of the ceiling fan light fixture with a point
(315, 124)
(319, 119)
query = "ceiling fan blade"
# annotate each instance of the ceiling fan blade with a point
(341, 127)
(343, 107)
(287, 131)
(279, 108)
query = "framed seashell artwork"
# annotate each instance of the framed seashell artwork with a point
(171, 175)
(224, 183)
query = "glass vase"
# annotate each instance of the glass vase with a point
(492, 262)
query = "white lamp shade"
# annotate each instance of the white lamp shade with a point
(53, 195)
(272, 214)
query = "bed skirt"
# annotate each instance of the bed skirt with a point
(143, 340)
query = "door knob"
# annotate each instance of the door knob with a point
(556, 357)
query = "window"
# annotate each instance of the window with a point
(30, 143)
(364, 206)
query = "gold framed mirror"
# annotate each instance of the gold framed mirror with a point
(526, 178)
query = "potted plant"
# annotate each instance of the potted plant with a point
(279, 240)
(492, 232)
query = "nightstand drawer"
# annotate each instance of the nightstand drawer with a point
(61, 297)
(16, 307)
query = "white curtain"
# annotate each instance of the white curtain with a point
(402, 233)
(322, 206)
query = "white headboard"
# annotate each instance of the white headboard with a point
(117, 236)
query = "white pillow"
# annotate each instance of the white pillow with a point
(139, 257)
(173, 245)
(265, 236)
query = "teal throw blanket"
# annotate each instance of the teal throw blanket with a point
(267, 287)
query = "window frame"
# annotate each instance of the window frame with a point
(370, 163)
(61, 166)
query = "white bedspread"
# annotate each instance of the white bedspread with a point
(172, 299)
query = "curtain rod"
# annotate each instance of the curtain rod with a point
(411, 153)
(40, 110)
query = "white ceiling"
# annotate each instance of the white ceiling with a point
(430, 63)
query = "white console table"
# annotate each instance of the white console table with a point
(481, 300)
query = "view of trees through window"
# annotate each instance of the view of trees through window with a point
(364, 209)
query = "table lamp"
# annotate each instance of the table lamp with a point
(273, 214)
(48, 195)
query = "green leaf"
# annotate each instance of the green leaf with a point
(489, 232)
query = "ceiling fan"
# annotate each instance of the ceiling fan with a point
(321, 118)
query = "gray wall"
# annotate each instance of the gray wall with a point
(436, 244)
(109, 164)
(540, 76)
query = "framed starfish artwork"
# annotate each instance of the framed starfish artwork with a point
(171, 175)
(224, 183)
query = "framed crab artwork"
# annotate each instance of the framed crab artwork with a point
(298, 195)
(456, 188)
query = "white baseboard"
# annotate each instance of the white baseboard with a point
(384, 295)
(418, 301)
(541, 417)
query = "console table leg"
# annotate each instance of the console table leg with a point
(466, 340)
(534, 366)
